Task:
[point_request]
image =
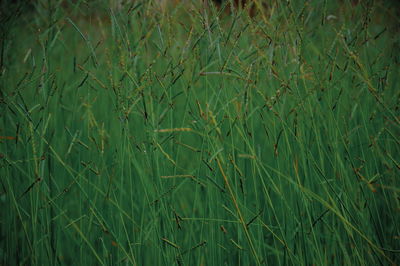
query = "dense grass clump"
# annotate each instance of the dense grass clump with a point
(141, 134)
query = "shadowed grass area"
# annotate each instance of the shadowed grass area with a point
(140, 135)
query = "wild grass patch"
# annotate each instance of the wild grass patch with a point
(132, 134)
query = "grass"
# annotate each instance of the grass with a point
(141, 136)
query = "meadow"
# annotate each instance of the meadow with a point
(140, 134)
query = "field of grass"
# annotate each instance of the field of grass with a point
(137, 135)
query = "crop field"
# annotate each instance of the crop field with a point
(187, 133)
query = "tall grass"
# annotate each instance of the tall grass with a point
(137, 135)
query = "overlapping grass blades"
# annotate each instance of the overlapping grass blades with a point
(136, 135)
